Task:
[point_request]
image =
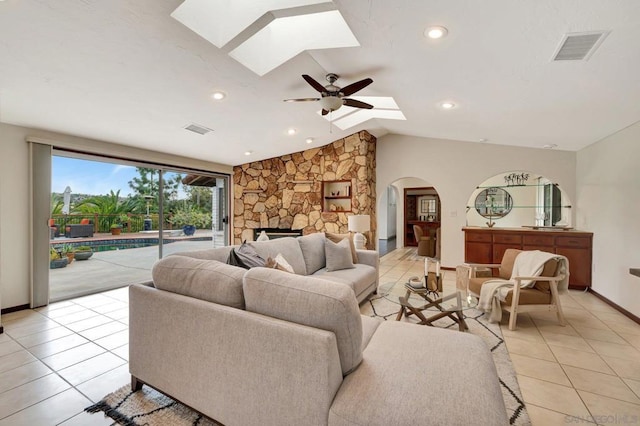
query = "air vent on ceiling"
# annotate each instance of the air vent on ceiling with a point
(579, 46)
(196, 128)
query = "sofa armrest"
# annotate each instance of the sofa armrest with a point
(369, 257)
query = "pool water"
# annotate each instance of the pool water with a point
(124, 244)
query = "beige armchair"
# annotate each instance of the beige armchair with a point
(542, 296)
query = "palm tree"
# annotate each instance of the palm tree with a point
(108, 207)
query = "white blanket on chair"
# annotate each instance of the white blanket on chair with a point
(527, 264)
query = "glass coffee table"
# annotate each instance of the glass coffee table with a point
(429, 306)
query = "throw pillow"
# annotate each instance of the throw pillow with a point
(245, 257)
(279, 263)
(282, 264)
(338, 255)
(336, 238)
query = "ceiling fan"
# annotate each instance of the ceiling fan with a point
(332, 96)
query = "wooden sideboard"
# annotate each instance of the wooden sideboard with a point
(487, 245)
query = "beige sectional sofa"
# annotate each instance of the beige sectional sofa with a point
(266, 347)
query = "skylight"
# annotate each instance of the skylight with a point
(384, 107)
(263, 35)
(284, 38)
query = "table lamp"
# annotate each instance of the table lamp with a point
(359, 223)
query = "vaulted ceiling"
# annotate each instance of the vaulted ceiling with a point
(129, 72)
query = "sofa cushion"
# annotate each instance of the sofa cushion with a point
(221, 254)
(388, 389)
(312, 247)
(208, 280)
(359, 278)
(308, 301)
(288, 247)
(336, 238)
(338, 255)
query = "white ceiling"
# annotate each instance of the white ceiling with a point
(125, 71)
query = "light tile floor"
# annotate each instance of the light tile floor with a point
(57, 360)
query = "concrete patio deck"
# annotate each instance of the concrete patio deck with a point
(107, 270)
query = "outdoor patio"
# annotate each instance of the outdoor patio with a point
(111, 269)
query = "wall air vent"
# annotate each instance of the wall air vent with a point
(196, 128)
(579, 46)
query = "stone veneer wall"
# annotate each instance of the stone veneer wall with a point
(285, 192)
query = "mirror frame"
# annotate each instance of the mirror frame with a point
(501, 202)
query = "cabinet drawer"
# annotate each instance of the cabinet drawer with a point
(573, 242)
(538, 240)
(480, 237)
(507, 239)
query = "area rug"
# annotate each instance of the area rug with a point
(147, 407)
(381, 306)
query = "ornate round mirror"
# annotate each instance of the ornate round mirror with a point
(493, 202)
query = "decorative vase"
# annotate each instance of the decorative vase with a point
(262, 237)
(58, 263)
(189, 230)
(83, 255)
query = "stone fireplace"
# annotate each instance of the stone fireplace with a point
(286, 192)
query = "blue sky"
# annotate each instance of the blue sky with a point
(90, 177)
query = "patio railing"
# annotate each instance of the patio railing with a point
(102, 222)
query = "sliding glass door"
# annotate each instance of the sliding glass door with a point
(110, 221)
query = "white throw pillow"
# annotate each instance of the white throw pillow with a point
(282, 263)
(338, 255)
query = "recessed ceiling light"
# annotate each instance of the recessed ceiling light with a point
(447, 105)
(248, 152)
(218, 95)
(292, 131)
(435, 32)
(550, 146)
(309, 140)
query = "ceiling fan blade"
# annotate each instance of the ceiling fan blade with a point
(325, 111)
(356, 104)
(319, 87)
(354, 87)
(301, 100)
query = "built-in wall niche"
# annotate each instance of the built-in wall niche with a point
(336, 196)
(516, 199)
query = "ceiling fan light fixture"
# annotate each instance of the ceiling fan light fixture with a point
(436, 32)
(331, 103)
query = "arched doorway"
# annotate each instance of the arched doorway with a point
(406, 205)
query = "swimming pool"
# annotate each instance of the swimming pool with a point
(123, 244)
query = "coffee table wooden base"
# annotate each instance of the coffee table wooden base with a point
(407, 309)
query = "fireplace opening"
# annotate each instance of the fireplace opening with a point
(277, 232)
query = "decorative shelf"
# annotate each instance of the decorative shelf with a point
(336, 203)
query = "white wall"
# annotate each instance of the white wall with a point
(454, 169)
(386, 213)
(608, 200)
(14, 191)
